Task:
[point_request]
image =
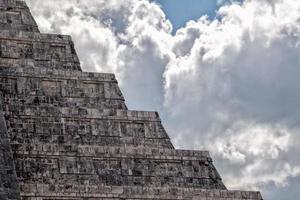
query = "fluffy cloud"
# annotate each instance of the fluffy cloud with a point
(234, 87)
(230, 85)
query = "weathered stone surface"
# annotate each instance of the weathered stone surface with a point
(115, 167)
(15, 15)
(67, 134)
(138, 192)
(9, 187)
(27, 49)
(38, 87)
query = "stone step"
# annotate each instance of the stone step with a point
(29, 37)
(15, 15)
(109, 151)
(17, 87)
(46, 73)
(57, 102)
(79, 113)
(137, 192)
(40, 50)
(60, 88)
(122, 166)
(8, 2)
(31, 133)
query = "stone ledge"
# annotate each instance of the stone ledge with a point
(90, 113)
(93, 151)
(52, 51)
(135, 192)
(15, 35)
(14, 3)
(56, 74)
(8, 3)
(16, 16)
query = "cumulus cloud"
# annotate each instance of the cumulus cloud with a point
(230, 85)
(234, 86)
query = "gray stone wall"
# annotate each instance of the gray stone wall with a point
(15, 15)
(25, 49)
(9, 187)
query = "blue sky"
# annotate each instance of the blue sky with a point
(181, 11)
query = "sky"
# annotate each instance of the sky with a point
(224, 76)
(180, 12)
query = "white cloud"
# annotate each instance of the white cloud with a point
(230, 85)
(235, 89)
(258, 151)
(250, 140)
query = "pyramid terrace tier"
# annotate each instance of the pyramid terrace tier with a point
(124, 151)
(15, 15)
(32, 132)
(59, 88)
(58, 134)
(83, 112)
(25, 49)
(140, 193)
(117, 167)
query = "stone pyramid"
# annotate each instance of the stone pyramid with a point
(67, 134)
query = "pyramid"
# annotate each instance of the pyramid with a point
(67, 134)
